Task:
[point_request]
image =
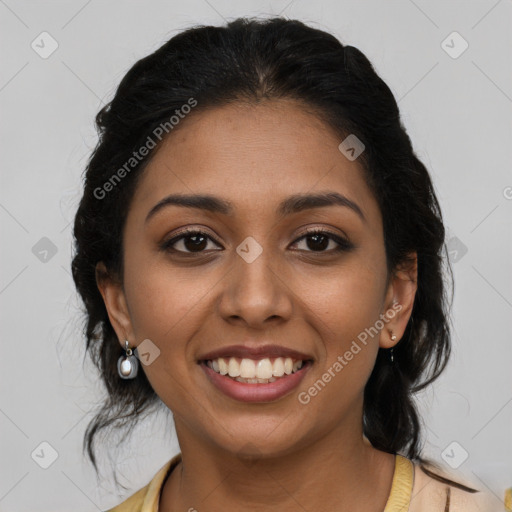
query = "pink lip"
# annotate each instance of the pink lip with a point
(255, 352)
(256, 392)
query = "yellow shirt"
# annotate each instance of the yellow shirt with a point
(412, 490)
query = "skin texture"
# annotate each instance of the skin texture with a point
(278, 455)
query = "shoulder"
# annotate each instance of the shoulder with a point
(432, 495)
(133, 503)
(147, 498)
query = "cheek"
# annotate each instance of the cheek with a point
(165, 310)
(165, 307)
(346, 300)
(345, 308)
(161, 297)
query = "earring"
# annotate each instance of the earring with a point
(127, 365)
(393, 338)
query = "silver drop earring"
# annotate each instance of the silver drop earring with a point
(127, 365)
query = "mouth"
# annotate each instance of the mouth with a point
(255, 371)
(255, 380)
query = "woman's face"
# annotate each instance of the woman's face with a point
(254, 279)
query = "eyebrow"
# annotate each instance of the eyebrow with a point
(293, 204)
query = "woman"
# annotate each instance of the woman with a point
(256, 224)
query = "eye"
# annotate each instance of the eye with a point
(188, 242)
(317, 240)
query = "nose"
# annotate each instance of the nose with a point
(256, 293)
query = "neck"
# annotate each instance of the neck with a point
(334, 473)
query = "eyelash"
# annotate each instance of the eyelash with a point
(343, 243)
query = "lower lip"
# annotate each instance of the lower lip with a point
(246, 392)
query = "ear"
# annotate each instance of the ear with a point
(399, 301)
(115, 301)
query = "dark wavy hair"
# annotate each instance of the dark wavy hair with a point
(250, 60)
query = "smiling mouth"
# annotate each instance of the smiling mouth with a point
(251, 371)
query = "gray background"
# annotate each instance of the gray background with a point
(457, 112)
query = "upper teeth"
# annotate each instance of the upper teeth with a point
(251, 369)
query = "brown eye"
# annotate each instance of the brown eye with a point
(188, 242)
(319, 241)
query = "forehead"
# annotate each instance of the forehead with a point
(254, 156)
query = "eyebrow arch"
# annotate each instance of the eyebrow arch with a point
(301, 202)
(293, 204)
